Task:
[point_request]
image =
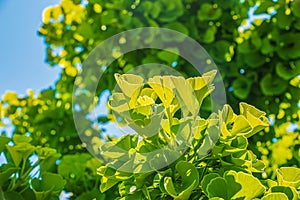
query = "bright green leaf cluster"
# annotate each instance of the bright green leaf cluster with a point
(16, 178)
(218, 143)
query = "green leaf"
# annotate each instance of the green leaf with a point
(169, 186)
(156, 9)
(49, 185)
(286, 72)
(111, 177)
(242, 87)
(20, 151)
(73, 166)
(241, 126)
(209, 35)
(254, 59)
(13, 195)
(168, 56)
(267, 46)
(93, 164)
(233, 186)
(127, 188)
(119, 103)
(289, 49)
(202, 85)
(217, 188)
(258, 166)
(295, 6)
(200, 125)
(185, 194)
(223, 188)
(290, 192)
(208, 12)
(206, 180)
(263, 7)
(284, 21)
(5, 173)
(127, 142)
(275, 196)
(240, 142)
(255, 117)
(130, 84)
(208, 142)
(177, 26)
(85, 30)
(232, 125)
(143, 178)
(227, 115)
(152, 126)
(3, 141)
(47, 157)
(109, 17)
(251, 186)
(163, 87)
(21, 139)
(221, 50)
(288, 176)
(106, 184)
(270, 183)
(188, 172)
(190, 180)
(187, 98)
(172, 10)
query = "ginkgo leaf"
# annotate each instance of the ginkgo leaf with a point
(190, 180)
(290, 192)
(205, 80)
(241, 126)
(275, 196)
(206, 180)
(187, 98)
(227, 115)
(221, 192)
(255, 117)
(144, 105)
(288, 176)
(251, 187)
(153, 127)
(163, 87)
(169, 186)
(296, 8)
(48, 185)
(6, 171)
(188, 172)
(119, 103)
(130, 84)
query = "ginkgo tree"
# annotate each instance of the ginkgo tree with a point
(259, 65)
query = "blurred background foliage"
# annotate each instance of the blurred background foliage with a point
(258, 57)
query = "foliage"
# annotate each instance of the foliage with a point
(259, 65)
(47, 117)
(215, 163)
(239, 54)
(19, 178)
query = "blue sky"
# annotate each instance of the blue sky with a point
(22, 51)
